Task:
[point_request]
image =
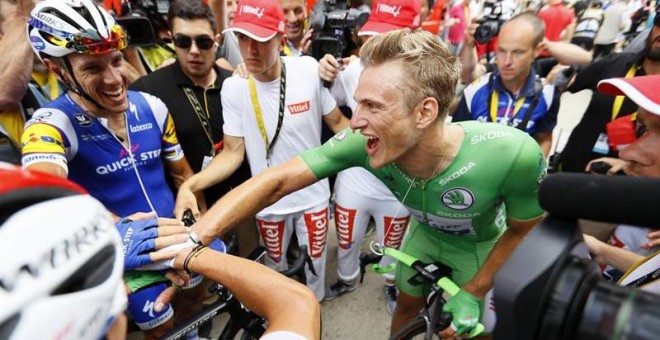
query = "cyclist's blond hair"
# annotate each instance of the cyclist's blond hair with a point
(430, 68)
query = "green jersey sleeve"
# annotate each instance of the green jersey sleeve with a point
(345, 150)
(520, 190)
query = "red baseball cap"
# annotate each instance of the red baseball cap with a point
(642, 90)
(390, 15)
(258, 19)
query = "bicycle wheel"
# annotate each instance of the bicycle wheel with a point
(415, 329)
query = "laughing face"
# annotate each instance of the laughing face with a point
(382, 116)
(102, 77)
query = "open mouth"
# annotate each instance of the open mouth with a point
(116, 95)
(372, 144)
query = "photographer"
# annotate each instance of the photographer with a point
(513, 94)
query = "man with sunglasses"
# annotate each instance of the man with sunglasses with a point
(115, 143)
(595, 137)
(191, 90)
(274, 115)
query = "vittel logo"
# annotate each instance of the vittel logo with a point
(385, 8)
(299, 107)
(272, 233)
(394, 230)
(317, 232)
(258, 11)
(345, 220)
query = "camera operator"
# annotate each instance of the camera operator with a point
(641, 158)
(513, 94)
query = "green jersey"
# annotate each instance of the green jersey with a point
(495, 175)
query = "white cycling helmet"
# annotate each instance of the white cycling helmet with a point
(61, 260)
(57, 28)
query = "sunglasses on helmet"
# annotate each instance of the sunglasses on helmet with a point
(84, 43)
(203, 42)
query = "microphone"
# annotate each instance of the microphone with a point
(614, 199)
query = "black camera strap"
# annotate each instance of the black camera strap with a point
(493, 101)
(202, 116)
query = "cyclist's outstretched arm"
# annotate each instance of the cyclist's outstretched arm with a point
(221, 167)
(285, 303)
(252, 196)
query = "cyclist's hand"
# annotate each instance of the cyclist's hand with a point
(142, 238)
(465, 309)
(186, 199)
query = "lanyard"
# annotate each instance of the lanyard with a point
(259, 116)
(618, 101)
(201, 115)
(494, 101)
(287, 50)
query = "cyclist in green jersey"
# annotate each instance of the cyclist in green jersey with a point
(472, 187)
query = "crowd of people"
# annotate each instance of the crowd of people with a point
(442, 134)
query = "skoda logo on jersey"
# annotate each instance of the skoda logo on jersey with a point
(82, 120)
(458, 198)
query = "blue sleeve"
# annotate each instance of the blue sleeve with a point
(462, 112)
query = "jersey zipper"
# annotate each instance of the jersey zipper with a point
(130, 154)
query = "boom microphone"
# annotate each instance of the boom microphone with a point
(613, 199)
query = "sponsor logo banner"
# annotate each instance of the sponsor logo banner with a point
(317, 232)
(299, 107)
(344, 222)
(272, 233)
(395, 228)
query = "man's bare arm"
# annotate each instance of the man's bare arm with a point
(483, 280)
(252, 196)
(285, 303)
(16, 65)
(336, 120)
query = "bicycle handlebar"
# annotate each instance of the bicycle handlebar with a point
(426, 270)
(298, 267)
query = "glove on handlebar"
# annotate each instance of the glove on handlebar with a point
(466, 310)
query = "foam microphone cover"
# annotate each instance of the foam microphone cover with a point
(613, 199)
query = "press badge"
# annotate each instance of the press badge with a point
(602, 146)
(207, 160)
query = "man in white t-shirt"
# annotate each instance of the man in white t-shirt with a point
(274, 115)
(359, 195)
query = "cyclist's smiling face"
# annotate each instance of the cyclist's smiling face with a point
(381, 114)
(102, 77)
(643, 156)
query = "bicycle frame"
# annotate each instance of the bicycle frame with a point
(434, 275)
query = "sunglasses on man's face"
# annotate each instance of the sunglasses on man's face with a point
(656, 21)
(203, 42)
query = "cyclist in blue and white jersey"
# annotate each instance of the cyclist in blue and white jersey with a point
(109, 140)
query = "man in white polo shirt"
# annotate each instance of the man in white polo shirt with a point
(274, 115)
